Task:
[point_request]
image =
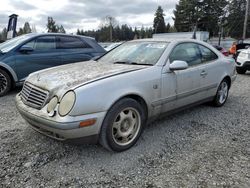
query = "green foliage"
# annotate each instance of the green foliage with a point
(61, 29)
(3, 35)
(168, 27)
(235, 19)
(159, 22)
(25, 29)
(51, 26)
(120, 33)
(205, 14)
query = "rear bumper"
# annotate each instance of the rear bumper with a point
(66, 131)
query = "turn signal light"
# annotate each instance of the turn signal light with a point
(87, 123)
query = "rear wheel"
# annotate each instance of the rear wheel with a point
(5, 83)
(222, 94)
(122, 125)
(240, 70)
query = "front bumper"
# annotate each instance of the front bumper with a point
(243, 63)
(61, 128)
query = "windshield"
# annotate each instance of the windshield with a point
(143, 52)
(12, 43)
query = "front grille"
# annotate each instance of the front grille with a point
(34, 96)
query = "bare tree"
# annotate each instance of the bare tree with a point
(110, 22)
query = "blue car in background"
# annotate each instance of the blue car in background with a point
(28, 53)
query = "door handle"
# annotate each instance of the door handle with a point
(203, 73)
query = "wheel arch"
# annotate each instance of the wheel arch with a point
(10, 72)
(137, 98)
(228, 79)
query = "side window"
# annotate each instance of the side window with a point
(30, 44)
(207, 55)
(42, 43)
(71, 42)
(188, 52)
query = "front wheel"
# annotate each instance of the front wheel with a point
(5, 83)
(222, 94)
(122, 125)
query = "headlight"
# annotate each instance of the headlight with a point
(67, 103)
(52, 104)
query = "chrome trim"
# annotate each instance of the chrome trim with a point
(182, 95)
(34, 96)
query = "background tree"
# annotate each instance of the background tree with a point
(20, 32)
(205, 14)
(26, 28)
(110, 23)
(168, 27)
(51, 26)
(61, 29)
(159, 22)
(3, 35)
(235, 19)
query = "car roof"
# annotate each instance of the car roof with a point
(169, 40)
(58, 34)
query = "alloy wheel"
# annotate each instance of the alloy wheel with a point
(223, 92)
(3, 83)
(126, 126)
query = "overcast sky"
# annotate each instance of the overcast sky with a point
(84, 14)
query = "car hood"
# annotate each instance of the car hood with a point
(70, 76)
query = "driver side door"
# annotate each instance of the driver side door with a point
(188, 81)
(44, 55)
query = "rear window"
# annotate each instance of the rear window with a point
(71, 42)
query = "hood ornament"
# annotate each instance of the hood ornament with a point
(38, 77)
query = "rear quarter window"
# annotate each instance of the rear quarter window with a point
(71, 43)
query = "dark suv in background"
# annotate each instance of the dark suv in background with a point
(25, 54)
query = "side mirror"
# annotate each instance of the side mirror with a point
(178, 65)
(26, 49)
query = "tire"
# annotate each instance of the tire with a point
(5, 83)
(240, 70)
(222, 94)
(122, 125)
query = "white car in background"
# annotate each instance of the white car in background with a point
(243, 61)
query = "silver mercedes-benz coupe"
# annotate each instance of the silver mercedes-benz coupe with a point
(110, 100)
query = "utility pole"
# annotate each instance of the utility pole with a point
(246, 19)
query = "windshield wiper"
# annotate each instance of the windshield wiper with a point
(131, 63)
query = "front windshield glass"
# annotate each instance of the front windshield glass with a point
(143, 52)
(12, 43)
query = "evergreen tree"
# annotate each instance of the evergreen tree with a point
(205, 14)
(142, 33)
(3, 35)
(26, 28)
(20, 32)
(61, 29)
(235, 20)
(159, 22)
(51, 26)
(168, 28)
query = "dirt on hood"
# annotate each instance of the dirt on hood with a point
(72, 75)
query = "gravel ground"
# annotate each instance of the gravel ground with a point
(199, 147)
